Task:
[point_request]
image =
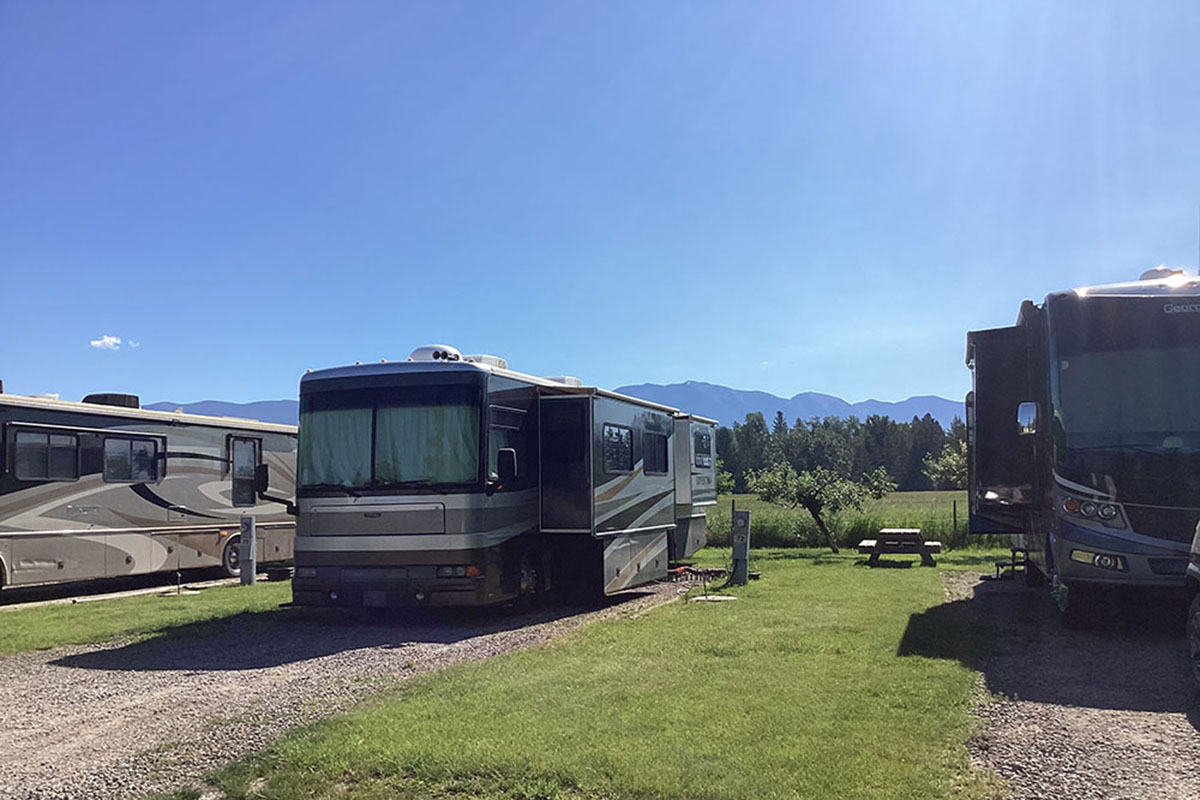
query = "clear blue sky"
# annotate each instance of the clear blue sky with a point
(780, 196)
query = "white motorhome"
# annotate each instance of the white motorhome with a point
(453, 480)
(103, 488)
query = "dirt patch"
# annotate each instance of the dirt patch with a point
(129, 718)
(1103, 713)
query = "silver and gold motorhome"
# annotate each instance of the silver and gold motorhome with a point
(103, 488)
(452, 480)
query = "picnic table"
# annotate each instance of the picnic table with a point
(902, 541)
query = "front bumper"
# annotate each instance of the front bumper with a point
(1142, 563)
(386, 587)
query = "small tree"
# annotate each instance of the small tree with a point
(949, 469)
(724, 479)
(819, 491)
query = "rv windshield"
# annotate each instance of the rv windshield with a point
(1143, 398)
(1127, 421)
(416, 436)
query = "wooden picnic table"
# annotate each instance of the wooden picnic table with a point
(902, 541)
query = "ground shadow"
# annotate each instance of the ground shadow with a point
(258, 640)
(13, 595)
(1132, 657)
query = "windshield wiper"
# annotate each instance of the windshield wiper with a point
(421, 483)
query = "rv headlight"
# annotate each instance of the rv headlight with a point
(1108, 511)
(1088, 508)
(1071, 505)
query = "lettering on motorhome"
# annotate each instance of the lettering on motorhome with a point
(1181, 308)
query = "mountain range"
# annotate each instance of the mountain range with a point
(705, 399)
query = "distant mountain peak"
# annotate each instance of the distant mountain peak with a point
(728, 405)
(695, 397)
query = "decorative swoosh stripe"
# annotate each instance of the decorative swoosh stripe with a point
(143, 491)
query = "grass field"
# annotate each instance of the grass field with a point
(796, 689)
(43, 627)
(939, 515)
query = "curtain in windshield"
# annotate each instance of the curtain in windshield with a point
(337, 448)
(427, 443)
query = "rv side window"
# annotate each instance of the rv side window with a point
(656, 453)
(46, 456)
(130, 460)
(507, 428)
(702, 442)
(618, 448)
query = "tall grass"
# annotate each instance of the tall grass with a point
(940, 515)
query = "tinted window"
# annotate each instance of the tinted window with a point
(656, 453)
(46, 456)
(618, 448)
(245, 459)
(702, 444)
(130, 460)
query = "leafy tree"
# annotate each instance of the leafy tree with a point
(927, 437)
(958, 430)
(750, 441)
(948, 470)
(820, 491)
(724, 479)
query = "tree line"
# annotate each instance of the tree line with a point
(912, 456)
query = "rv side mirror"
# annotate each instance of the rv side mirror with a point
(1027, 419)
(262, 478)
(506, 464)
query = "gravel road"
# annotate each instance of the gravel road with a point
(1102, 713)
(127, 718)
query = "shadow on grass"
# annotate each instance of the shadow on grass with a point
(258, 640)
(1132, 657)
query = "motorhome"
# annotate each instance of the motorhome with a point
(1084, 435)
(452, 480)
(103, 488)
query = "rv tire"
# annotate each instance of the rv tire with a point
(1073, 603)
(1193, 637)
(231, 557)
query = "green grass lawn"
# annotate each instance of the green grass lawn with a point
(49, 626)
(796, 689)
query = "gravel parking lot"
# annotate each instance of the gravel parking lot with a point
(128, 718)
(1102, 713)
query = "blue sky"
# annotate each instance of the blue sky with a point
(777, 196)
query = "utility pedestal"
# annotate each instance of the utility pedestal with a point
(741, 548)
(248, 552)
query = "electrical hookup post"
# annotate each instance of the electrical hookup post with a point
(741, 548)
(248, 551)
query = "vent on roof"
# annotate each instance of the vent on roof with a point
(114, 399)
(484, 358)
(569, 380)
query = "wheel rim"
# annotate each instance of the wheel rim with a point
(528, 578)
(232, 556)
(1060, 592)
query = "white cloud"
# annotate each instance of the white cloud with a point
(107, 343)
(134, 344)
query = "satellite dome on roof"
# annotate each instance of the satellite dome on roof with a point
(435, 352)
(1160, 273)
